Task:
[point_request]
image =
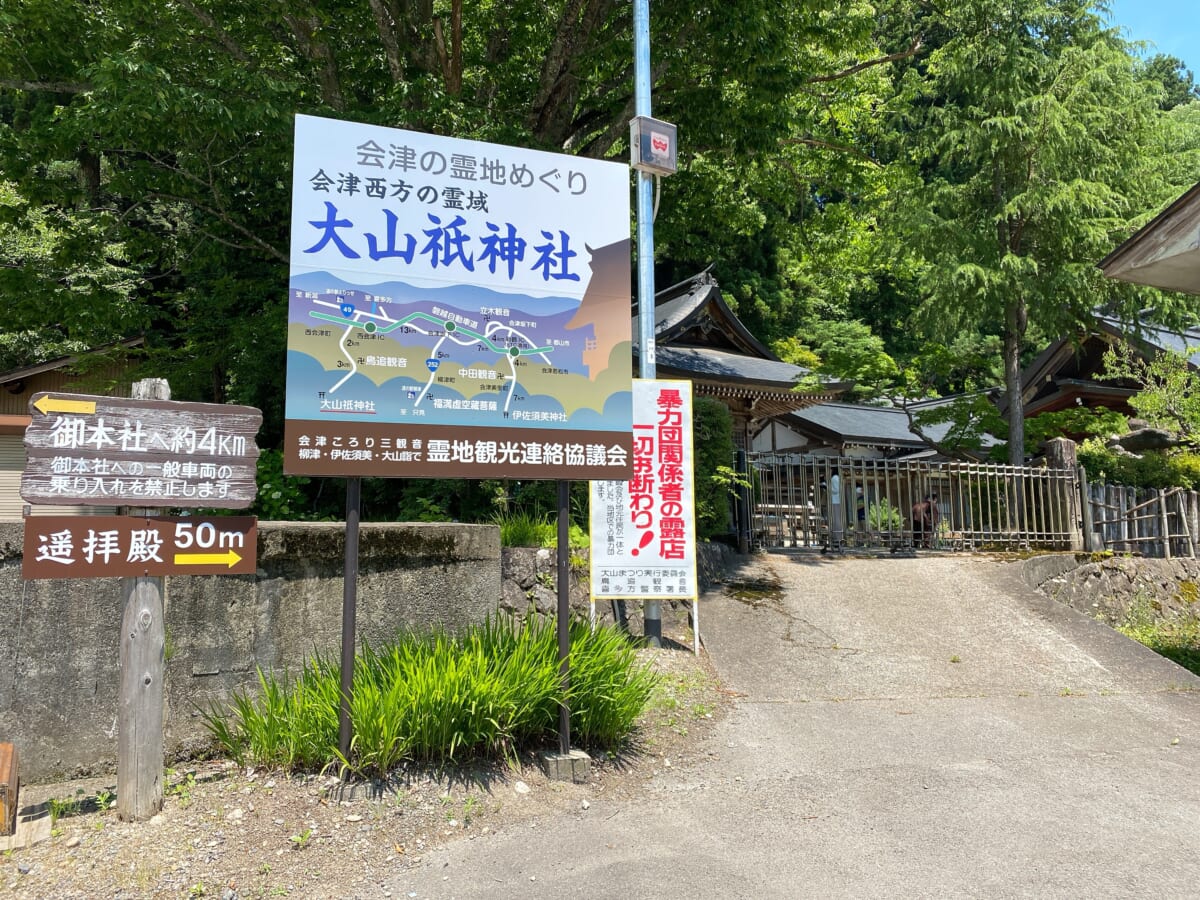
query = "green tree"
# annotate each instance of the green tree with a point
(712, 436)
(1030, 128)
(844, 351)
(157, 138)
(1176, 79)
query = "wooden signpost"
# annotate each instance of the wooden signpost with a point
(136, 546)
(108, 451)
(139, 454)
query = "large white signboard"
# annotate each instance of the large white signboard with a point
(456, 308)
(644, 530)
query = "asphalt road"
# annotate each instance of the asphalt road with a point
(906, 728)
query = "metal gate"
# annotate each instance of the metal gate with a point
(834, 502)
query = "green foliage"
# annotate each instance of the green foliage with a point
(1175, 79)
(441, 698)
(61, 272)
(19, 349)
(865, 179)
(1151, 469)
(280, 497)
(842, 351)
(1175, 637)
(61, 807)
(969, 420)
(882, 516)
(521, 528)
(1077, 423)
(712, 442)
(1170, 388)
(1032, 136)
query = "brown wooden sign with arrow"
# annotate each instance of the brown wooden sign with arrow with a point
(112, 451)
(137, 546)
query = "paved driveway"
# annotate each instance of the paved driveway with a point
(907, 728)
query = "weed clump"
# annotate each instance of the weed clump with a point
(440, 698)
(1175, 637)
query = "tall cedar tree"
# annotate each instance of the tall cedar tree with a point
(1031, 137)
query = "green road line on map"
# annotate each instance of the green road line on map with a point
(449, 326)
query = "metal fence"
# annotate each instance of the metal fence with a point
(833, 502)
(1153, 522)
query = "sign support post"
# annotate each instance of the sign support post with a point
(349, 612)
(647, 363)
(142, 665)
(564, 612)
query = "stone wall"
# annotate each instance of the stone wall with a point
(59, 639)
(529, 579)
(1107, 587)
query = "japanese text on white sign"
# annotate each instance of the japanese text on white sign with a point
(644, 530)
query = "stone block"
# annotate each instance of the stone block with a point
(574, 766)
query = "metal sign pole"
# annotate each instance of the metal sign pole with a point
(564, 613)
(645, 251)
(349, 604)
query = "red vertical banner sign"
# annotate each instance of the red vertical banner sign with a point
(644, 530)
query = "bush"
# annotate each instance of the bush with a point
(1153, 469)
(712, 439)
(1177, 638)
(882, 516)
(441, 698)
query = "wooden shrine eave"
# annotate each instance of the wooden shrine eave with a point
(759, 401)
(1165, 253)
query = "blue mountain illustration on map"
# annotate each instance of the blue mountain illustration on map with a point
(464, 295)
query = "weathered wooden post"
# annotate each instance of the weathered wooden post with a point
(1164, 524)
(140, 702)
(1060, 456)
(1092, 541)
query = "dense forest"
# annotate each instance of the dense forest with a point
(910, 196)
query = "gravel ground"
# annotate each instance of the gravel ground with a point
(231, 833)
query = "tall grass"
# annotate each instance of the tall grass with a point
(440, 698)
(520, 528)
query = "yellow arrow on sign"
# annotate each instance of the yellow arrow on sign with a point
(49, 404)
(228, 558)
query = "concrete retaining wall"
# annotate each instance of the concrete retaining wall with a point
(59, 639)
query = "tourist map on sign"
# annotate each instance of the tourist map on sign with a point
(465, 355)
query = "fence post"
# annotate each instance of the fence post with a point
(1181, 505)
(1164, 523)
(744, 511)
(1060, 456)
(1092, 542)
(1193, 513)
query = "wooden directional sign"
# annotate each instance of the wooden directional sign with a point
(135, 546)
(111, 451)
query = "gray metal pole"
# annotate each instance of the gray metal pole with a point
(564, 613)
(349, 610)
(645, 250)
